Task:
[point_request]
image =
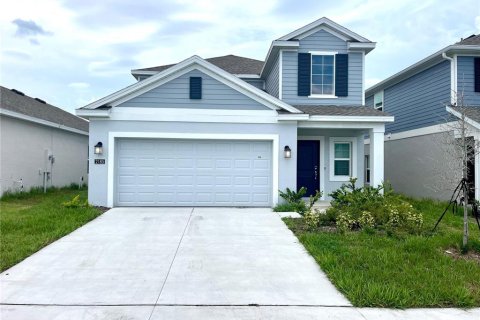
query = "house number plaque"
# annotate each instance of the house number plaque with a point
(99, 161)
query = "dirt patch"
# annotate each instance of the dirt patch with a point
(103, 209)
(457, 255)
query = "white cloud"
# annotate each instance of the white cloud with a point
(79, 85)
(94, 45)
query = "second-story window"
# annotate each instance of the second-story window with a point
(323, 74)
(378, 100)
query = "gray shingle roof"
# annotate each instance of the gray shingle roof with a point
(470, 112)
(333, 110)
(229, 63)
(471, 40)
(26, 105)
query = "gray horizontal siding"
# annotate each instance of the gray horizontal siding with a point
(271, 83)
(322, 41)
(290, 78)
(175, 94)
(257, 83)
(465, 81)
(419, 101)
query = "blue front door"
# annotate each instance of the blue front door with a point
(308, 165)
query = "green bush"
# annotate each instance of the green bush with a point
(76, 203)
(367, 208)
(294, 201)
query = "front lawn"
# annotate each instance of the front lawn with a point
(30, 221)
(374, 269)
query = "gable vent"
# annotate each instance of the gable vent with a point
(195, 88)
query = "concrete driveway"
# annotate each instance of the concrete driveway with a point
(149, 258)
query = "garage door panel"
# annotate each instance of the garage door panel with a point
(193, 173)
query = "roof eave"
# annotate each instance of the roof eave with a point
(421, 65)
(116, 97)
(275, 47)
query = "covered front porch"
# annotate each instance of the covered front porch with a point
(331, 149)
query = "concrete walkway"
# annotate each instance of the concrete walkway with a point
(181, 263)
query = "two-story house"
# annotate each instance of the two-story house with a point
(422, 98)
(233, 131)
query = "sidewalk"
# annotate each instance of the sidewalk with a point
(9, 312)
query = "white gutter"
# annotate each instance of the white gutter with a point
(453, 78)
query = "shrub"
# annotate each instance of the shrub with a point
(367, 208)
(294, 201)
(76, 203)
(284, 207)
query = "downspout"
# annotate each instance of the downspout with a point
(453, 85)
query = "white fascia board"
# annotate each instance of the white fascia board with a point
(47, 123)
(352, 118)
(340, 125)
(143, 72)
(276, 46)
(361, 46)
(421, 65)
(247, 76)
(323, 21)
(467, 119)
(289, 117)
(193, 115)
(194, 62)
(93, 113)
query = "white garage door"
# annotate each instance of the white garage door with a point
(161, 172)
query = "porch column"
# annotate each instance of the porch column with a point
(477, 166)
(376, 155)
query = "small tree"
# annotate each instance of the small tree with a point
(464, 147)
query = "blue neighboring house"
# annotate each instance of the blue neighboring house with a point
(423, 98)
(233, 131)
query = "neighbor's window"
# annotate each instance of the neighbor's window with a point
(367, 169)
(342, 158)
(378, 101)
(323, 74)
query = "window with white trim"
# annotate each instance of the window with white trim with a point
(343, 158)
(378, 100)
(323, 74)
(367, 168)
(342, 161)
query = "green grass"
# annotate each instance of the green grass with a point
(377, 270)
(29, 221)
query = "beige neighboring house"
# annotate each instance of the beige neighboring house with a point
(39, 144)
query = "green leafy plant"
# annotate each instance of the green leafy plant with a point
(369, 208)
(291, 196)
(76, 203)
(294, 201)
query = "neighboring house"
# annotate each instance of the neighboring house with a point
(40, 144)
(233, 131)
(422, 98)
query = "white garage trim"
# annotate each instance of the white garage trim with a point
(196, 136)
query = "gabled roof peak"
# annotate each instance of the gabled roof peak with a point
(318, 24)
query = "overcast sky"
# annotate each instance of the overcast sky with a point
(72, 52)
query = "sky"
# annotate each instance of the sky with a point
(72, 52)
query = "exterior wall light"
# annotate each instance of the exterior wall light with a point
(98, 148)
(287, 152)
